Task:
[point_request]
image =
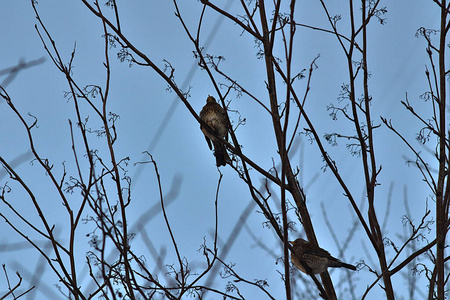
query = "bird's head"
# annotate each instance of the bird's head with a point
(210, 99)
(298, 243)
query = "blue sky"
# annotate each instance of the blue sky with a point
(396, 60)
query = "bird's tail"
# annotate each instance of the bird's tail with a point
(347, 266)
(221, 154)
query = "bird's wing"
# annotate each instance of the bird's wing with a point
(321, 252)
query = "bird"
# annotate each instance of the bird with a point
(315, 258)
(216, 118)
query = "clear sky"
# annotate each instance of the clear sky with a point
(397, 62)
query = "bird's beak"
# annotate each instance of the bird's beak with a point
(292, 243)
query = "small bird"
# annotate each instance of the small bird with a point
(316, 258)
(214, 115)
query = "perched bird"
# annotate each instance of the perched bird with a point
(316, 258)
(214, 115)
